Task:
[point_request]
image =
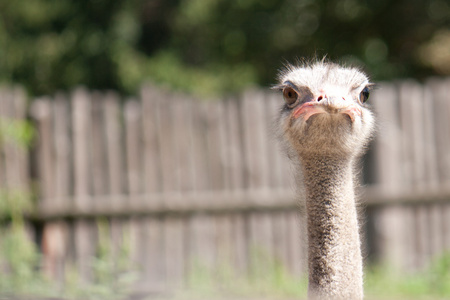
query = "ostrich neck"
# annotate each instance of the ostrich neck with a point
(334, 253)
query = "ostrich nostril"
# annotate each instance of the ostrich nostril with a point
(320, 98)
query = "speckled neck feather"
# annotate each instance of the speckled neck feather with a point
(334, 255)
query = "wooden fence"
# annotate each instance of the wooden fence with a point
(183, 183)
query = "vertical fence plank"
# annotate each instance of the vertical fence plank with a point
(81, 108)
(166, 140)
(42, 113)
(16, 158)
(55, 233)
(113, 131)
(84, 229)
(240, 245)
(261, 243)
(254, 133)
(153, 271)
(215, 144)
(170, 137)
(174, 250)
(224, 240)
(202, 248)
(133, 132)
(151, 153)
(98, 166)
(3, 103)
(62, 144)
(154, 264)
(134, 157)
(440, 214)
(182, 139)
(201, 234)
(112, 112)
(281, 177)
(297, 244)
(280, 239)
(234, 145)
(390, 175)
(443, 94)
(387, 145)
(429, 142)
(49, 148)
(199, 154)
(431, 165)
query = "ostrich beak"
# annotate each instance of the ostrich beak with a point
(308, 109)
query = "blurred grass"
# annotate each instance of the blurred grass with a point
(270, 280)
(267, 279)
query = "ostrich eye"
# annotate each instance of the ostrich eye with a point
(364, 95)
(290, 96)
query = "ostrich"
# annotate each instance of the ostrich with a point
(325, 125)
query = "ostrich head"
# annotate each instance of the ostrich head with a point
(325, 112)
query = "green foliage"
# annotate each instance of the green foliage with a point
(18, 254)
(113, 275)
(432, 283)
(17, 132)
(212, 47)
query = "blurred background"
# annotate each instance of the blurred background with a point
(137, 159)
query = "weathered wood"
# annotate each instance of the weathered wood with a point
(16, 158)
(387, 145)
(436, 229)
(98, 165)
(182, 140)
(240, 247)
(214, 147)
(174, 251)
(133, 133)
(280, 239)
(234, 146)
(441, 105)
(202, 251)
(42, 113)
(114, 143)
(152, 165)
(224, 240)
(280, 175)
(166, 140)
(3, 102)
(81, 109)
(56, 233)
(254, 132)
(297, 243)
(261, 244)
(114, 167)
(429, 141)
(62, 147)
(154, 272)
(186, 183)
(84, 229)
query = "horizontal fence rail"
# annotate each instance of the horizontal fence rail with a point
(183, 183)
